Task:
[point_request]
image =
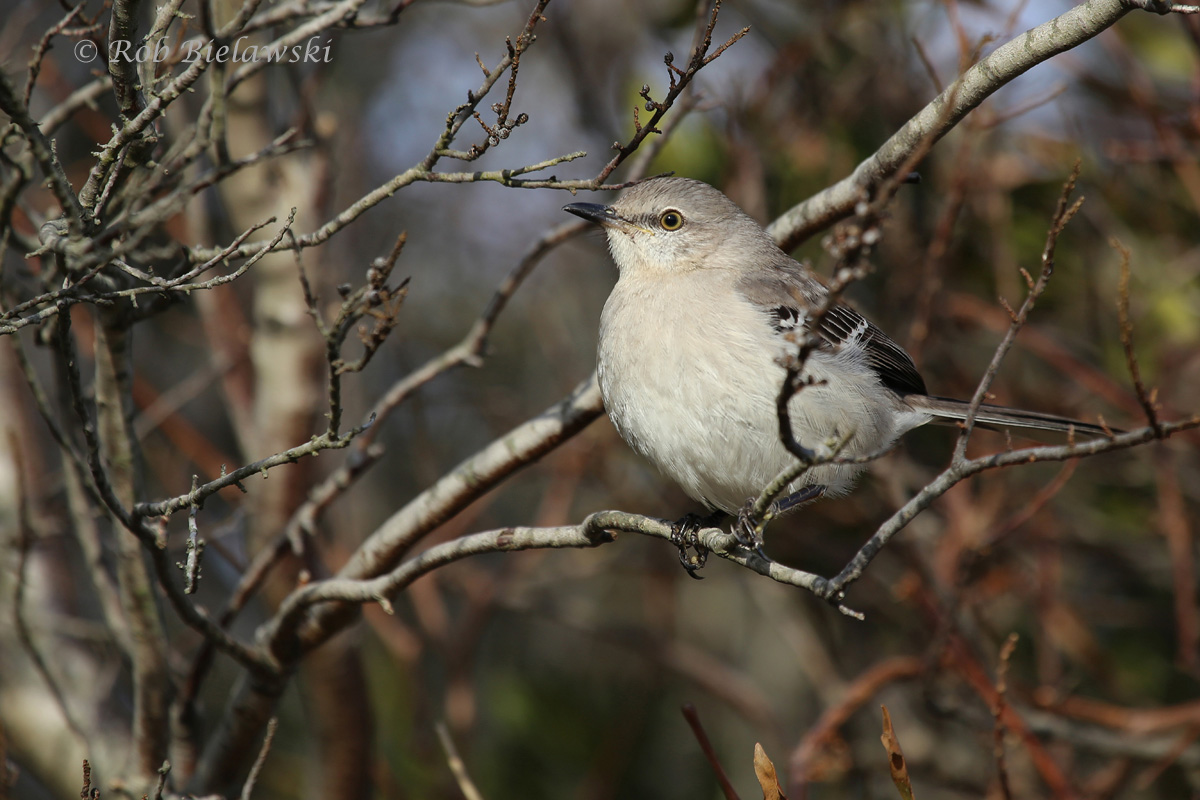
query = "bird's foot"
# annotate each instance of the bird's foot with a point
(748, 531)
(692, 554)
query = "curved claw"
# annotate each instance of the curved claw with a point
(744, 532)
(684, 536)
(692, 563)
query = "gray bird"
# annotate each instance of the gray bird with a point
(693, 342)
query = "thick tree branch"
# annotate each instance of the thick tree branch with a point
(1007, 62)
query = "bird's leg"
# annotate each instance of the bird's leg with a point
(748, 531)
(794, 500)
(684, 536)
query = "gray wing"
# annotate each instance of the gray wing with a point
(786, 291)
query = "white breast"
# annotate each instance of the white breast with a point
(692, 386)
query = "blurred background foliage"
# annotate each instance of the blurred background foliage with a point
(562, 674)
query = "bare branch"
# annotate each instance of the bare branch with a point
(44, 153)
(457, 767)
(678, 81)
(865, 686)
(60, 300)
(293, 454)
(83, 97)
(425, 171)
(195, 547)
(1063, 213)
(693, 720)
(962, 469)
(999, 728)
(1014, 58)
(122, 27)
(1145, 398)
(23, 544)
(421, 171)
(43, 47)
(469, 480)
(132, 130)
(252, 778)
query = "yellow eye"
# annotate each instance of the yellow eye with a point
(671, 220)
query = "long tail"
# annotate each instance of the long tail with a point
(948, 411)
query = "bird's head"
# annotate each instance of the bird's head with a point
(676, 225)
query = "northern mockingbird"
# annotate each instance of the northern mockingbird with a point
(693, 341)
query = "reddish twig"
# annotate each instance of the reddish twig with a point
(693, 720)
(1147, 399)
(998, 709)
(972, 672)
(857, 694)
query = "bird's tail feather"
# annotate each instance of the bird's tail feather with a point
(947, 411)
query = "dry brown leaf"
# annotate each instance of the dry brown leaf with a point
(895, 757)
(767, 779)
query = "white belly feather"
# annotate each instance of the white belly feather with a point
(686, 390)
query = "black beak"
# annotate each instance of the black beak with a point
(593, 212)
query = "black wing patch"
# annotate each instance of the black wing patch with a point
(785, 319)
(843, 325)
(786, 280)
(894, 366)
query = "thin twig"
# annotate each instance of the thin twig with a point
(161, 786)
(424, 171)
(1063, 213)
(865, 686)
(248, 656)
(960, 471)
(24, 634)
(46, 156)
(455, 762)
(710, 755)
(678, 81)
(195, 548)
(1145, 398)
(998, 710)
(252, 778)
(43, 47)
